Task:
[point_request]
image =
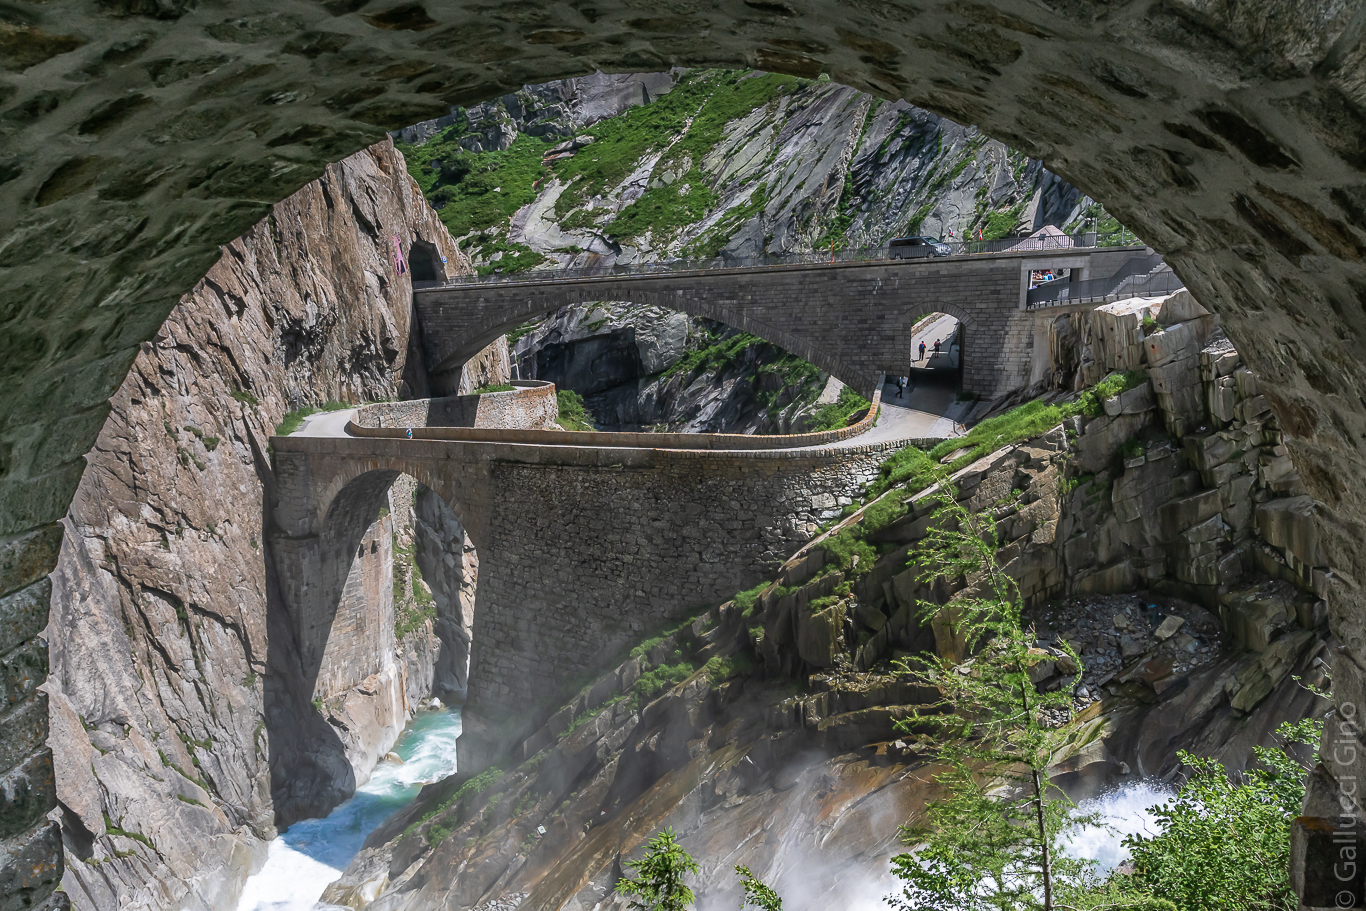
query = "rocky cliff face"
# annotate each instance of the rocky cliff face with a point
(182, 730)
(1161, 538)
(717, 162)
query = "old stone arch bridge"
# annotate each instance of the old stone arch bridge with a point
(136, 137)
(851, 319)
(584, 546)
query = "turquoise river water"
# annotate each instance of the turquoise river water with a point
(312, 853)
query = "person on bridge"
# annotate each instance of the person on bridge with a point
(922, 349)
(410, 433)
(900, 385)
(936, 347)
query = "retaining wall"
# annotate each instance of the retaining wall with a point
(530, 406)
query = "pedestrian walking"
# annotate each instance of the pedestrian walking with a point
(901, 385)
(410, 433)
(922, 349)
(936, 347)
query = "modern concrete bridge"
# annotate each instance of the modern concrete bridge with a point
(586, 541)
(851, 319)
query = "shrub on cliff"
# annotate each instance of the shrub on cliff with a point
(1224, 843)
(573, 414)
(1032, 419)
(992, 840)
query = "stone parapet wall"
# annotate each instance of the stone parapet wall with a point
(531, 406)
(626, 439)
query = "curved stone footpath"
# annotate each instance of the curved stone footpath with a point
(507, 432)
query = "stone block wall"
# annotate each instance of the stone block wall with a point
(850, 319)
(531, 406)
(580, 563)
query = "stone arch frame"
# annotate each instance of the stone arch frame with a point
(965, 319)
(347, 472)
(321, 568)
(1229, 136)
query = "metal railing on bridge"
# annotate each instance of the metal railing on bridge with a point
(1160, 280)
(1043, 243)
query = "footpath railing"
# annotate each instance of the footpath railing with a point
(1100, 290)
(1044, 243)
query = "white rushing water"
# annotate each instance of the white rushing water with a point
(312, 853)
(1122, 812)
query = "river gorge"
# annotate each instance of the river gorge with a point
(560, 472)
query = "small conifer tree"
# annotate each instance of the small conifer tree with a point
(658, 882)
(756, 893)
(991, 842)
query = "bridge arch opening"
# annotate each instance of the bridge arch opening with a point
(503, 309)
(642, 368)
(396, 569)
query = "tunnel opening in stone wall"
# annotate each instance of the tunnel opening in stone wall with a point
(426, 262)
(1241, 162)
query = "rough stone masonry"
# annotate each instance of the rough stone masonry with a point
(136, 137)
(582, 550)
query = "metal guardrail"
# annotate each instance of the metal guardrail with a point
(1161, 281)
(1087, 241)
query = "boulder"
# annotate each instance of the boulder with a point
(1180, 340)
(1180, 308)
(1131, 401)
(1168, 627)
(1097, 446)
(1290, 524)
(820, 635)
(870, 616)
(1255, 618)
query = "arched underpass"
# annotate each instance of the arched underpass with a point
(139, 137)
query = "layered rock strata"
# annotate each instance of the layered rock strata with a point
(183, 730)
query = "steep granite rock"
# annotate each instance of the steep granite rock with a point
(180, 721)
